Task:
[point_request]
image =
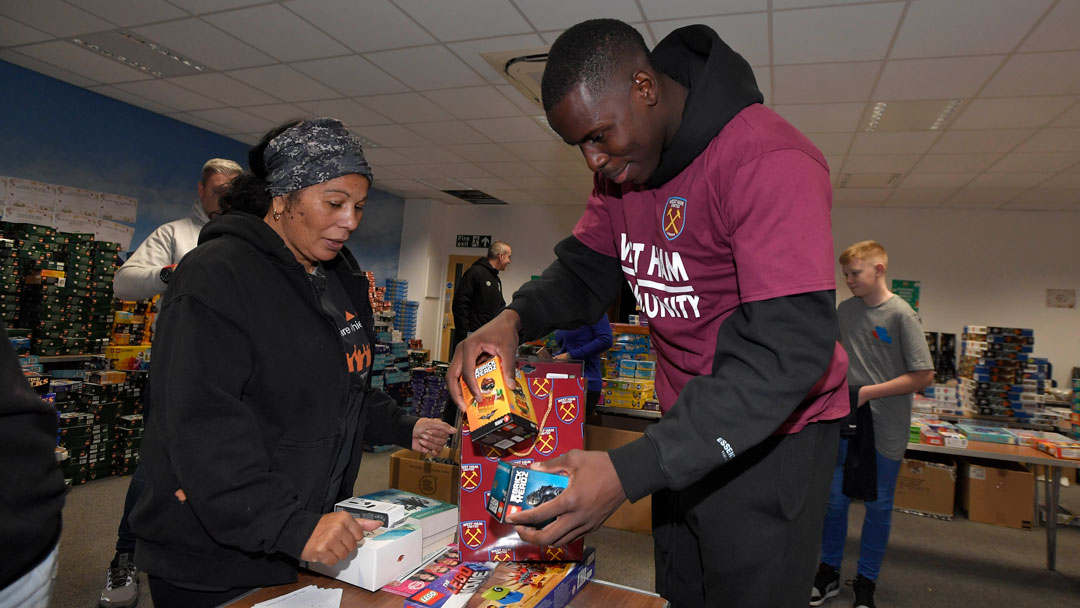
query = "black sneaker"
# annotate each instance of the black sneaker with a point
(121, 583)
(826, 584)
(864, 591)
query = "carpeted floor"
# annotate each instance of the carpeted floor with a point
(929, 562)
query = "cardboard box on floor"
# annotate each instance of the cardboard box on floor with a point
(411, 472)
(996, 492)
(927, 486)
(636, 517)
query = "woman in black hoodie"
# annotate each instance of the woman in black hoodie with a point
(262, 361)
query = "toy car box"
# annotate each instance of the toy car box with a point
(517, 488)
(499, 416)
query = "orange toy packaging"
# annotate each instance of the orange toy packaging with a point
(499, 417)
(557, 391)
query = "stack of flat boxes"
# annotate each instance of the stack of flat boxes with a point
(405, 310)
(630, 369)
(133, 322)
(429, 392)
(1076, 408)
(999, 376)
(10, 278)
(941, 400)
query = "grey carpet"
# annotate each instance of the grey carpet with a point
(929, 562)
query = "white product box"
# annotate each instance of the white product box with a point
(385, 556)
(389, 514)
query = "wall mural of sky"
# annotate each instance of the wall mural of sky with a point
(61, 134)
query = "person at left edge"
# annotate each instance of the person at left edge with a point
(261, 376)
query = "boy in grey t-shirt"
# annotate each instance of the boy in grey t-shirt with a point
(889, 359)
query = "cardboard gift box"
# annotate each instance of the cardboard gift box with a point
(997, 492)
(558, 395)
(927, 486)
(434, 478)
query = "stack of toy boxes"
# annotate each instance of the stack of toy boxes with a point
(397, 376)
(132, 324)
(1076, 408)
(558, 403)
(429, 392)
(941, 400)
(999, 376)
(90, 268)
(10, 278)
(629, 368)
(129, 433)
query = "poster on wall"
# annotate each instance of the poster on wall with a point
(108, 230)
(30, 202)
(908, 290)
(118, 207)
(67, 221)
(77, 201)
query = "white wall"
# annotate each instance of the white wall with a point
(975, 267)
(980, 268)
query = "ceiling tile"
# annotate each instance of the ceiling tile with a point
(386, 156)
(511, 129)
(48, 69)
(198, 40)
(89, 64)
(997, 140)
(1008, 180)
(814, 118)
(1036, 163)
(426, 67)
(197, 7)
(199, 122)
(1064, 180)
(127, 13)
(236, 121)
(860, 197)
(248, 138)
(14, 33)
(170, 95)
(460, 19)
(1070, 118)
(847, 33)
(478, 153)
(1046, 199)
(461, 170)
(561, 168)
(831, 143)
(1037, 74)
(224, 89)
(449, 132)
(893, 143)
(345, 110)
(551, 35)
(1058, 31)
(435, 156)
(670, 9)
(277, 113)
(469, 52)
(833, 82)
(485, 184)
(541, 150)
(936, 180)
(129, 98)
(371, 25)
(934, 78)
(880, 163)
(982, 198)
(561, 14)
(782, 4)
(391, 135)
(966, 27)
(747, 34)
(536, 182)
(1053, 140)
(278, 33)
(406, 108)
(1009, 112)
(956, 163)
(283, 82)
(55, 17)
(474, 102)
(918, 197)
(351, 75)
(513, 169)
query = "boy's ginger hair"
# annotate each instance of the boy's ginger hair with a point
(866, 250)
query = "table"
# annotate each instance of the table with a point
(1024, 455)
(595, 593)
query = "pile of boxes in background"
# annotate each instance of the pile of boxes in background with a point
(429, 392)
(56, 286)
(630, 369)
(405, 310)
(1000, 378)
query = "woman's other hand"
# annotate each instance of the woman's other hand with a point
(430, 435)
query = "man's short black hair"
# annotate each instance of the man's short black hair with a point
(588, 53)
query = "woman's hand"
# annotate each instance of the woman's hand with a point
(335, 537)
(429, 435)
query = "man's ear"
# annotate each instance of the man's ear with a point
(644, 87)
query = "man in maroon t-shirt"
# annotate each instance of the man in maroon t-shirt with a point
(717, 212)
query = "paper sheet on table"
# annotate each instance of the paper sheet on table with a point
(307, 597)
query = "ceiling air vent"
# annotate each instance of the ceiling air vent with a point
(475, 197)
(521, 68)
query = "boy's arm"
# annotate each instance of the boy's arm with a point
(900, 385)
(917, 359)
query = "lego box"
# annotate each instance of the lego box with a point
(499, 416)
(520, 488)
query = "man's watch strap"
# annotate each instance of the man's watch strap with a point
(166, 273)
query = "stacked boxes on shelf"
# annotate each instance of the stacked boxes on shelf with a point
(376, 295)
(397, 293)
(429, 392)
(132, 322)
(630, 369)
(999, 376)
(10, 279)
(939, 399)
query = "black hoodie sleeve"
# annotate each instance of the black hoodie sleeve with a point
(31, 484)
(769, 354)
